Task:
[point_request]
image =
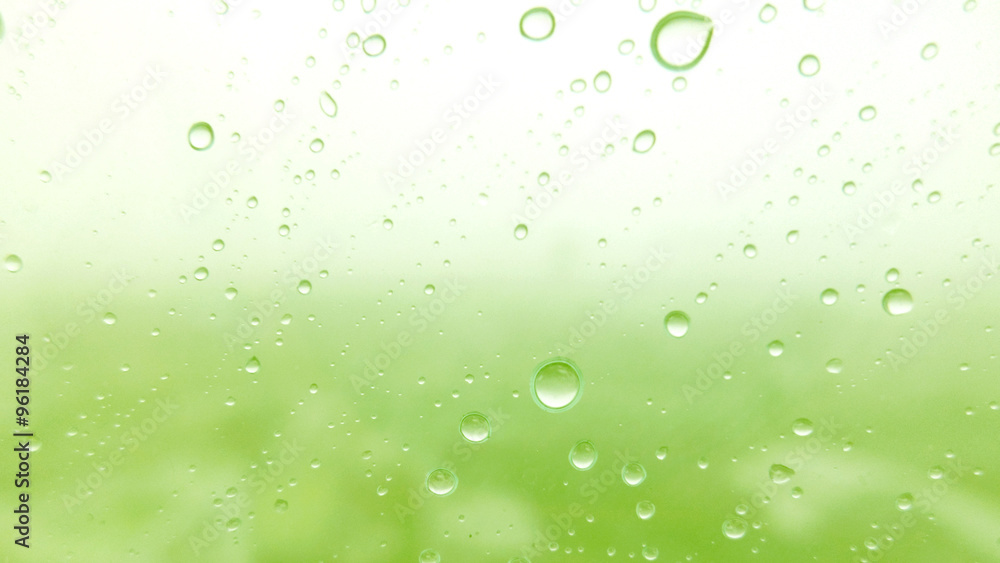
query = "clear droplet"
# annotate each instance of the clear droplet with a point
(792, 237)
(677, 323)
(734, 528)
(280, 505)
(327, 104)
(583, 456)
(304, 287)
(829, 296)
(233, 524)
(849, 188)
(929, 51)
(201, 136)
(802, 427)
(897, 302)
(374, 45)
(768, 13)
(429, 556)
(750, 251)
(316, 145)
(110, 318)
(441, 482)
(253, 365)
(475, 427)
(521, 231)
(867, 113)
(557, 385)
(201, 273)
(626, 46)
(809, 65)
(538, 24)
(661, 453)
(13, 263)
(775, 348)
(231, 293)
(680, 40)
(602, 81)
(633, 474)
(645, 509)
(836, 365)
(644, 141)
(904, 501)
(252, 202)
(780, 474)
(218, 245)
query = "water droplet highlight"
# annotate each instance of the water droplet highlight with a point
(475, 427)
(633, 474)
(201, 136)
(441, 482)
(557, 385)
(583, 456)
(897, 302)
(677, 323)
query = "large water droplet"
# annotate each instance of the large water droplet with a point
(867, 113)
(327, 104)
(475, 427)
(929, 51)
(677, 323)
(645, 509)
(520, 231)
(374, 45)
(110, 319)
(13, 263)
(538, 24)
(904, 501)
(644, 141)
(557, 385)
(602, 81)
(681, 39)
(316, 145)
(633, 474)
(201, 136)
(734, 528)
(780, 474)
(768, 13)
(897, 302)
(429, 556)
(583, 456)
(441, 482)
(305, 287)
(776, 348)
(829, 296)
(253, 365)
(802, 427)
(201, 273)
(809, 65)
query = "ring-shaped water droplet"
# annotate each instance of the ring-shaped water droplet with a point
(680, 20)
(557, 385)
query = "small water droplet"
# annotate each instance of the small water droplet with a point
(904, 501)
(781, 474)
(602, 81)
(767, 13)
(929, 51)
(253, 365)
(316, 145)
(537, 24)
(218, 245)
(682, 37)
(775, 348)
(201, 136)
(645, 509)
(644, 141)
(13, 263)
(110, 319)
(327, 104)
(734, 528)
(802, 427)
(897, 302)
(521, 231)
(441, 482)
(374, 45)
(750, 251)
(475, 427)
(583, 456)
(429, 556)
(661, 453)
(677, 323)
(867, 113)
(633, 474)
(201, 273)
(829, 296)
(304, 287)
(809, 66)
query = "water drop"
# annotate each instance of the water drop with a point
(110, 319)
(233, 524)
(374, 45)
(750, 251)
(602, 81)
(429, 556)
(929, 51)
(252, 202)
(734, 528)
(441, 482)
(661, 453)
(904, 501)
(775, 348)
(316, 145)
(201, 136)
(280, 505)
(829, 296)
(583, 456)
(253, 365)
(767, 13)
(521, 231)
(304, 287)
(327, 104)
(644, 141)
(677, 323)
(836, 365)
(802, 427)
(897, 302)
(867, 113)
(231, 293)
(809, 66)
(475, 427)
(218, 245)
(633, 474)
(645, 509)
(780, 474)
(13, 263)
(685, 36)
(849, 188)
(557, 385)
(538, 24)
